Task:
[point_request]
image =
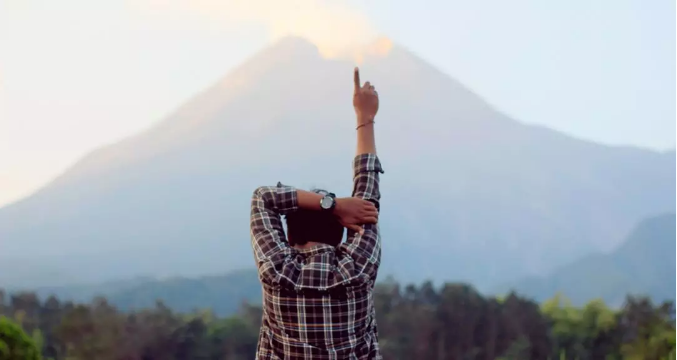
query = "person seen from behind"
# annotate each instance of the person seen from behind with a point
(318, 290)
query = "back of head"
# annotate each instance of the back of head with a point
(304, 226)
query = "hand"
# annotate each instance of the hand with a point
(354, 212)
(365, 100)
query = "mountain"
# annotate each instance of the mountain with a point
(469, 194)
(643, 264)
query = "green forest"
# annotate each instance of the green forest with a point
(452, 321)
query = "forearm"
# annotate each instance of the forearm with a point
(366, 143)
(366, 166)
(308, 200)
(282, 199)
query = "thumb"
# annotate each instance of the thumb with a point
(357, 228)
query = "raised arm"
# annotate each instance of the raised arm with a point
(360, 254)
(365, 248)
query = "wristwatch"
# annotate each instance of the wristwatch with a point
(328, 202)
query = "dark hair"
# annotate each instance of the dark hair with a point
(304, 226)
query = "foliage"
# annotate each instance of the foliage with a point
(15, 344)
(415, 322)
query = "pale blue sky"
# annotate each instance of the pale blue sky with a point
(76, 74)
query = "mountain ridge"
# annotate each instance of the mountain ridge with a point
(642, 264)
(236, 77)
(494, 184)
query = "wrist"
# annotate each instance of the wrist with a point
(338, 206)
(364, 119)
(368, 125)
(365, 122)
(328, 202)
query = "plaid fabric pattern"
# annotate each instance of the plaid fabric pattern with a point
(317, 303)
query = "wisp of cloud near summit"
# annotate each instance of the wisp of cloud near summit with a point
(334, 26)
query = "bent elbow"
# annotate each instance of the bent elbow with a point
(264, 195)
(258, 192)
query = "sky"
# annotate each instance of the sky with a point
(79, 74)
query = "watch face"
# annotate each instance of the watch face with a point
(326, 202)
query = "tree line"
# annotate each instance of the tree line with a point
(453, 321)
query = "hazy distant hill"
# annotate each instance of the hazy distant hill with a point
(468, 193)
(223, 294)
(643, 264)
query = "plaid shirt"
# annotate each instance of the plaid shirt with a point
(318, 302)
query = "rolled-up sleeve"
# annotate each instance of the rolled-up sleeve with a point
(363, 252)
(268, 239)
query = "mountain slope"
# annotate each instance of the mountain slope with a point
(643, 264)
(223, 294)
(469, 194)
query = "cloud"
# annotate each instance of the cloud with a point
(335, 27)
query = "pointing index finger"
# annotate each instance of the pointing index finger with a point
(357, 79)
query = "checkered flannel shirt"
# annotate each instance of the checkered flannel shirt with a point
(317, 303)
